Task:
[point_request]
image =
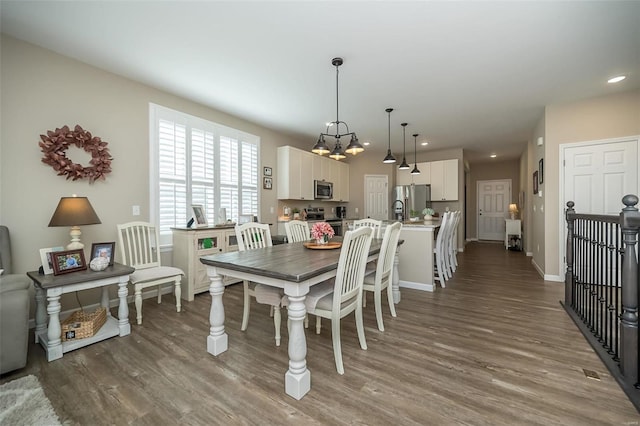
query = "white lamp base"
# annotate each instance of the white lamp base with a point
(75, 243)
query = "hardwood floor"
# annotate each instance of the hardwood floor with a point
(493, 348)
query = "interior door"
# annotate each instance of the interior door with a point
(596, 176)
(493, 205)
(376, 197)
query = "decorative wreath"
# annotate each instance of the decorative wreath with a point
(55, 143)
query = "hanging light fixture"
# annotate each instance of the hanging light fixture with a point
(337, 153)
(389, 159)
(415, 170)
(404, 165)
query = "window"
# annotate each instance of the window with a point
(195, 161)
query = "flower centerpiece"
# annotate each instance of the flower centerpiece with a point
(428, 213)
(322, 232)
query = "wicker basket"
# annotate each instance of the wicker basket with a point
(80, 324)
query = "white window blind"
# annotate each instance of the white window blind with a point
(195, 161)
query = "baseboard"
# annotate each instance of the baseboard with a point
(538, 268)
(529, 254)
(417, 286)
(472, 239)
(554, 278)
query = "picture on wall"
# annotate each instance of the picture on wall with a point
(535, 182)
(541, 171)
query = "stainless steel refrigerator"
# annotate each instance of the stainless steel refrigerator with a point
(410, 197)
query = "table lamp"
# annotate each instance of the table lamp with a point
(74, 211)
(513, 210)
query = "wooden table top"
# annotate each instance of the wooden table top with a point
(50, 281)
(291, 262)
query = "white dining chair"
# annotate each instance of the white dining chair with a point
(383, 276)
(452, 245)
(439, 251)
(371, 223)
(336, 298)
(251, 236)
(140, 249)
(297, 230)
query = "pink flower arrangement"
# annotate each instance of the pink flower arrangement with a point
(320, 229)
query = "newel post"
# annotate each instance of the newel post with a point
(629, 317)
(568, 276)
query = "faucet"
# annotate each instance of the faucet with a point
(401, 217)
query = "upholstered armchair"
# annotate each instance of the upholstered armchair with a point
(14, 310)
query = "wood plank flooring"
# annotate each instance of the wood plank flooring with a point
(492, 348)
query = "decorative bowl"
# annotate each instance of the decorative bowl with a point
(414, 219)
(99, 264)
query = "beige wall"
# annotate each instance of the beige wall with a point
(536, 205)
(42, 90)
(489, 171)
(616, 115)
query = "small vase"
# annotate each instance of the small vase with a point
(428, 217)
(322, 240)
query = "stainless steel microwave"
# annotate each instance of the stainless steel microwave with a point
(322, 190)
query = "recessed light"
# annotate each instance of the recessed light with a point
(616, 79)
(493, 155)
(366, 143)
(424, 143)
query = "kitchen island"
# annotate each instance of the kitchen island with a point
(416, 255)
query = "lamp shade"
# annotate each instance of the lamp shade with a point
(74, 211)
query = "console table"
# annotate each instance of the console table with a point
(513, 229)
(54, 286)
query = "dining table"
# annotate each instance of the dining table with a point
(292, 267)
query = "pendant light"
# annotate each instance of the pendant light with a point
(337, 153)
(415, 170)
(404, 165)
(389, 159)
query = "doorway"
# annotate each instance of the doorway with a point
(493, 206)
(376, 197)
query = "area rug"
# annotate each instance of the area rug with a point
(23, 402)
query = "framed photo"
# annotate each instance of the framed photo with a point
(541, 171)
(106, 250)
(68, 261)
(268, 183)
(268, 171)
(47, 260)
(199, 215)
(535, 182)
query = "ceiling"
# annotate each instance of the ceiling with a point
(471, 75)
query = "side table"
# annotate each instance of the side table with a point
(54, 286)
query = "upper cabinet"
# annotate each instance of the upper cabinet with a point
(444, 180)
(404, 177)
(297, 169)
(294, 182)
(441, 175)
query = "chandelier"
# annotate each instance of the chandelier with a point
(337, 153)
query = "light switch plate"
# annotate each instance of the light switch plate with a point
(135, 211)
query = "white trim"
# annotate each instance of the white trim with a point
(529, 254)
(386, 177)
(538, 268)
(472, 239)
(562, 237)
(554, 278)
(417, 286)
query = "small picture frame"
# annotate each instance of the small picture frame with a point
(106, 250)
(267, 171)
(541, 171)
(199, 215)
(268, 183)
(47, 260)
(68, 261)
(535, 182)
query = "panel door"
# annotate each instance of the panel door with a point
(376, 197)
(493, 206)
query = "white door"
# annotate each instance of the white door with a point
(493, 206)
(376, 197)
(595, 176)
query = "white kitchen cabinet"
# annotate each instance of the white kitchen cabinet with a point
(340, 181)
(321, 168)
(404, 177)
(189, 244)
(444, 180)
(294, 174)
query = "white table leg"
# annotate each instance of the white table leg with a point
(123, 307)
(217, 340)
(298, 377)
(41, 312)
(54, 340)
(395, 283)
